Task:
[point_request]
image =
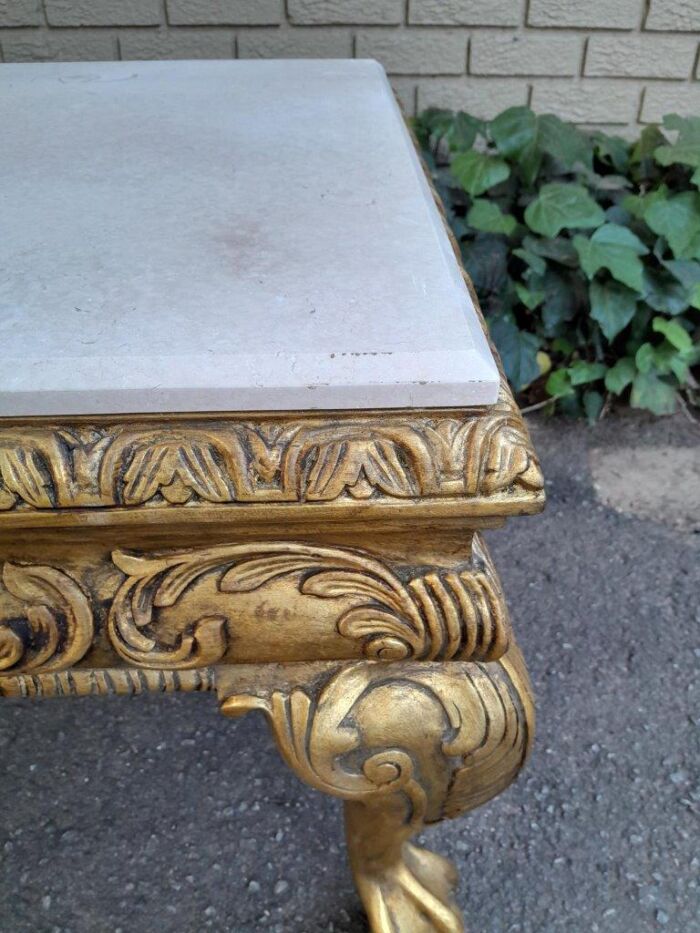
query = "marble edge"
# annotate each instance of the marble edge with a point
(280, 382)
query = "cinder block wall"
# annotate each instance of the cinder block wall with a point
(613, 63)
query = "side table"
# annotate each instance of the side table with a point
(251, 433)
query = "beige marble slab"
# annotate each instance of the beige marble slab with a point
(222, 235)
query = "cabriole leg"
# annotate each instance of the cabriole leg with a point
(405, 745)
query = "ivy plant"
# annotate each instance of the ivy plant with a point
(584, 250)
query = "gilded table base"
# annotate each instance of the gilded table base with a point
(327, 570)
(388, 673)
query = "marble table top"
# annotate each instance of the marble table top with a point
(223, 236)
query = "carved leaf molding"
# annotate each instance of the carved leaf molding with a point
(24, 476)
(57, 628)
(294, 461)
(438, 615)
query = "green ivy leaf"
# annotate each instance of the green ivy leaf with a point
(686, 149)
(459, 130)
(519, 134)
(685, 270)
(644, 358)
(603, 183)
(663, 293)
(558, 384)
(612, 306)
(614, 248)
(517, 348)
(560, 206)
(564, 142)
(616, 214)
(513, 130)
(531, 299)
(638, 204)
(563, 346)
(462, 132)
(476, 172)
(536, 263)
(650, 139)
(619, 376)
(678, 220)
(582, 372)
(652, 393)
(432, 123)
(529, 163)
(592, 405)
(565, 296)
(486, 260)
(559, 249)
(638, 328)
(612, 149)
(487, 216)
(668, 359)
(590, 280)
(676, 335)
(516, 134)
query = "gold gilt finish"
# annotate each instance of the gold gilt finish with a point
(453, 456)
(326, 569)
(369, 626)
(404, 745)
(237, 603)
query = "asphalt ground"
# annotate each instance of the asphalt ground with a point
(157, 815)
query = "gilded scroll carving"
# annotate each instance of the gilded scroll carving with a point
(438, 614)
(389, 611)
(351, 732)
(153, 582)
(304, 459)
(56, 628)
(481, 721)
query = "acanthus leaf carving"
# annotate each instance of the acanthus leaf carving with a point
(172, 466)
(440, 614)
(360, 466)
(57, 628)
(23, 477)
(177, 470)
(148, 586)
(486, 456)
(483, 715)
(266, 449)
(291, 459)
